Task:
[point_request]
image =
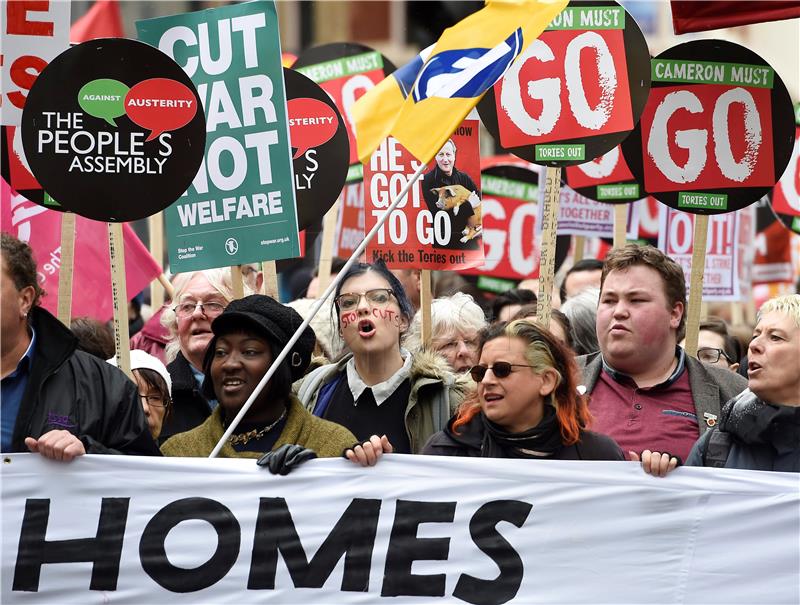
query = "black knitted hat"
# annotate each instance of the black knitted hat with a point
(273, 320)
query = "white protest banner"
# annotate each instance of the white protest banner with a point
(676, 239)
(33, 34)
(414, 529)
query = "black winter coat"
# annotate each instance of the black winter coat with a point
(189, 407)
(71, 390)
(592, 446)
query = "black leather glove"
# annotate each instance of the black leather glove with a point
(285, 458)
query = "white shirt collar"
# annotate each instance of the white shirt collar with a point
(383, 390)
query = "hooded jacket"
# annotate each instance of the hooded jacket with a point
(763, 436)
(71, 390)
(435, 395)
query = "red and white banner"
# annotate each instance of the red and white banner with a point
(91, 280)
(34, 33)
(676, 240)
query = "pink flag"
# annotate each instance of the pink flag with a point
(91, 285)
(102, 21)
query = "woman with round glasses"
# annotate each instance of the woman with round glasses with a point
(200, 296)
(526, 404)
(378, 388)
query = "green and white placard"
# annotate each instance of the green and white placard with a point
(240, 207)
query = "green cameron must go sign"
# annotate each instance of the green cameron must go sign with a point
(240, 207)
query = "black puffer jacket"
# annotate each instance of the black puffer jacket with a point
(71, 390)
(469, 439)
(189, 408)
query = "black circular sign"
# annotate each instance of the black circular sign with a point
(319, 145)
(113, 130)
(695, 77)
(549, 108)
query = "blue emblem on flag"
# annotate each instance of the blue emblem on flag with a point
(466, 72)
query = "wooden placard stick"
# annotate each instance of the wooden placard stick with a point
(169, 290)
(696, 283)
(270, 273)
(65, 272)
(155, 224)
(547, 264)
(737, 313)
(237, 283)
(425, 306)
(580, 248)
(327, 246)
(620, 225)
(119, 296)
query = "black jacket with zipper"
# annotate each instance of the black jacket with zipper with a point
(71, 390)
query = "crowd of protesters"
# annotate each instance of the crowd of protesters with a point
(607, 379)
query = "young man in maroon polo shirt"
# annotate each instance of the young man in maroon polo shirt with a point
(646, 393)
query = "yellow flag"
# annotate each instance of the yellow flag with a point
(423, 102)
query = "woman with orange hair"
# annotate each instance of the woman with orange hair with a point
(526, 405)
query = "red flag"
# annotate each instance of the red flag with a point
(102, 21)
(694, 16)
(91, 285)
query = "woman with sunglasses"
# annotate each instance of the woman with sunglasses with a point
(526, 405)
(378, 388)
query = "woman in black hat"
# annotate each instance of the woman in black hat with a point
(248, 336)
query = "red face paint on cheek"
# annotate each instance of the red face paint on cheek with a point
(348, 318)
(384, 314)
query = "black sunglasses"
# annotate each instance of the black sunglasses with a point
(501, 369)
